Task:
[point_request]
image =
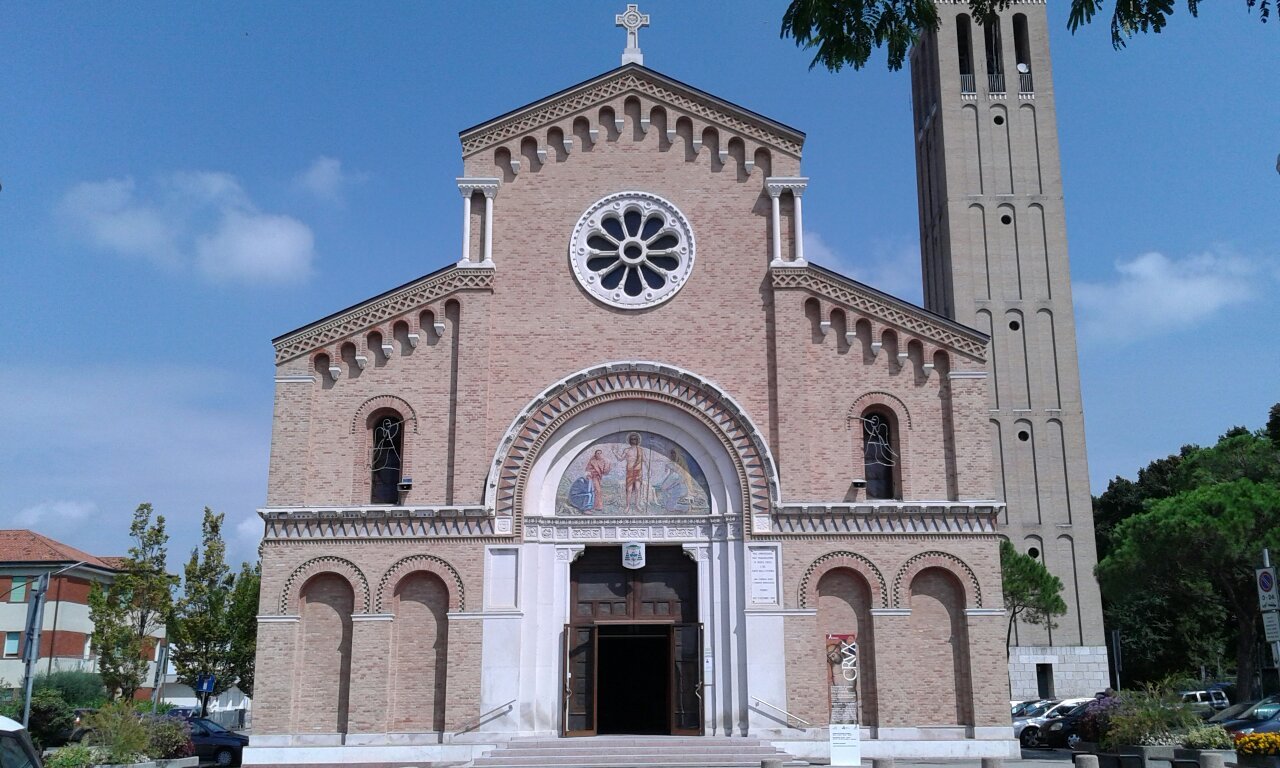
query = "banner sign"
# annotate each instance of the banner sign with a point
(633, 554)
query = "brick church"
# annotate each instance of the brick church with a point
(634, 466)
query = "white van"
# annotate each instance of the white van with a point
(16, 750)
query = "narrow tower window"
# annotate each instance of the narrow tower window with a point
(385, 462)
(964, 48)
(995, 56)
(879, 456)
(1022, 50)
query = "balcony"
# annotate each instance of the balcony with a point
(995, 82)
(968, 83)
(1025, 83)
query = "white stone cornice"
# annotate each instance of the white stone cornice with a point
(890, 611)
(469, 185)
(279, 619)
(309, 523)
(776, 185)
(897, 518)
(967, 375)
(373, 617)
(305, 378)
(1000, 612)
(671, 528)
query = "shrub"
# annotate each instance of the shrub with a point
(1096, 720)
(1149, 718)
(168, 737)
(78, 689)
(119, 731)
(74, 756)
(51, 718)
(1258, 744)
(1207, 737)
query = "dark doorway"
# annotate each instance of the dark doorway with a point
(632, 678)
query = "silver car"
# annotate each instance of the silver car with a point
(1027, 727)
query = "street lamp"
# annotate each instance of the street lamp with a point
(35, 618)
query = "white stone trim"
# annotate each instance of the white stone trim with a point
(477, 615)
(279, 619)
(985, 612)
(305, 378)
(781, 611)
(967, 375)
(373, 617)
(890, 611)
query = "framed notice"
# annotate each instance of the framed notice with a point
(846, 744)
(764, 575)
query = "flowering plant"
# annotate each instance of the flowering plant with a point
(1258, 744)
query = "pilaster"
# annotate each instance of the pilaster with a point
(370, 674)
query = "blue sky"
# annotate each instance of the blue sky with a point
(182, 182)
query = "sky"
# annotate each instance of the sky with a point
(183, 182)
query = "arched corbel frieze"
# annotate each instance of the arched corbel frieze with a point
(934, 559)
(655, 382)
(412, 564)
(854, 562)
(378, 402)
(290, 595)
(878, 397)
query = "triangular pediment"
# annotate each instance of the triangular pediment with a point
(884, 308)
(645, 83)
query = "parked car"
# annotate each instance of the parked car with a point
(186, 713)
(1063, 731)
(16, 749)
(1259, 716)
(79, 726)
(1205, 703)
(1019, 708)
(1232, 712)
(215, 743)
(1027, 728)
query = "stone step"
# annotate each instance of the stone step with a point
(632, 752)
(621, 761)
(653, 750)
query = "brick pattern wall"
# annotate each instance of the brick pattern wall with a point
(844, 606)
(420, 653)
(940, 646)
(324, 671)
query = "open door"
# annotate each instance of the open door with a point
(579, 680)
(686, 680)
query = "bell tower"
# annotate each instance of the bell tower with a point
(994, 257)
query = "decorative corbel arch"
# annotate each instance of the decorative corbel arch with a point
(654, 382)
(878, 397)
(289, 596)
(946, 561)
(843, 559)
(377, 402)
(412, 564)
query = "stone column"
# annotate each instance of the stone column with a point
(370, 677)
(776, 225)
(988, 672)
(775, 186)
(273, 686)
(468, 187)
(462, 684)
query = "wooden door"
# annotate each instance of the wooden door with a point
(580, 653)
(686, 680)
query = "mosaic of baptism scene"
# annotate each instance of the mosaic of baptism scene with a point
(633, 473)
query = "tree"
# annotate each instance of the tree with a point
(1030, 591)
(201, 631)
(845, 32)
(243, 617)
(131, 611)
(1273, 425)
(1209, 536)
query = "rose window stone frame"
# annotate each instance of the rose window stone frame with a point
(632, 250)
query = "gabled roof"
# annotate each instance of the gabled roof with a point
(637, 79)
(23, 546)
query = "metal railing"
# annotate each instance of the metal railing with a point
(968, 83)
(760, 701)
(1025, 83)
(995, 82)
(484, 717)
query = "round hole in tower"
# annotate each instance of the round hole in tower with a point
(1024, 435)
(1014, 325)
(1035, 553)
(1006, 219)
(998, 119)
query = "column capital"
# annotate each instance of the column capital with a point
(776, 185)
(468, 186)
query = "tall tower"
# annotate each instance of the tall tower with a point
(994, 256)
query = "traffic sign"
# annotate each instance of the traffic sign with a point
(1268, 594)
(1271, 625)
(204, 683)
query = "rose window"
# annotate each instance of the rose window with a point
(632, 250)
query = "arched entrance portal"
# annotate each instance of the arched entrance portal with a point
(633, 645)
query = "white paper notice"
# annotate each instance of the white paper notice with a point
(846, 744)
(764, 576)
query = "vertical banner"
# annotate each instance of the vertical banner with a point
(845, 731)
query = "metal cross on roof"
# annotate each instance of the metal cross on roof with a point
(633, 20)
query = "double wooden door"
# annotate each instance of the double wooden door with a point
(633, 647)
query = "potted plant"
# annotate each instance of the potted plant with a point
(1258, 750)
(1206, 738)
(1149, 723)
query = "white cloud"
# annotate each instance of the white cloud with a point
(248, 534)
(325, 180)
(891, 265)
(201, 220)
(1153, 294)
(51, 517)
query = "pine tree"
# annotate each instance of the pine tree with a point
(201, 628)
(1030, 591)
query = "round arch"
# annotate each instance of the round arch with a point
(935, 559)
(289, 596)
(753, 468)
(854, 562)
(412, 564)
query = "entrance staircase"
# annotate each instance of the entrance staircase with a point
(633, 752)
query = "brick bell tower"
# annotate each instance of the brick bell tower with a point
(994, 256)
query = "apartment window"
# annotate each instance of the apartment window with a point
(19, 593)
(88, 646)
(11, 644)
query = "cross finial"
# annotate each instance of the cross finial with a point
(633, 20)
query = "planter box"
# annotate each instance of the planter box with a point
(1258, 761)
(1152, 757)
(1228, 755)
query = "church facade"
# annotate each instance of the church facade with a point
(633, 465)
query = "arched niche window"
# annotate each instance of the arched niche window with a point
(880, 454)
(1022, 51)
(386, 457)
(995, 55)
(964, 49)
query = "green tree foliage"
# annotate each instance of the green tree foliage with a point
(1030, 591)
(243, 617)
(51, 718)
(1273, 425)
(78, 689)
(1177, 575)
(200, 630)
(133, 608)
(846, 32)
